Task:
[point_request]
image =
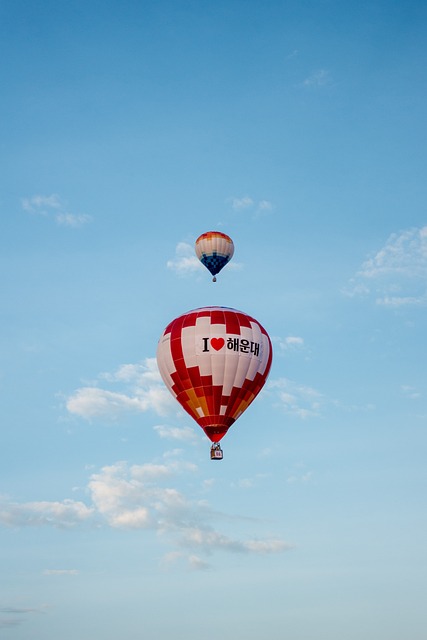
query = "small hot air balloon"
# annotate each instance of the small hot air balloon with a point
(214, 249)
(214, 361)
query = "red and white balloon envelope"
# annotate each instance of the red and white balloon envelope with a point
(214, 361)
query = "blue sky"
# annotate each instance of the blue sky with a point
(127, 130)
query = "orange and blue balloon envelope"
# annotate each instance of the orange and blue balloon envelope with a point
(214, 249)
(214, 361)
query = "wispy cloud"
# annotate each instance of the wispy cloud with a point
(300, 477)
(296, 399)
(192, 561)
(184, 434)
(185, 261)
(249, 205)
(61, 572)
(289, 343)
(302, 401)
(137, 388)
(239, 204)
(143, 497)
(292, 55)
(318, 78)
(264, 206)
(209, 540)
(42, 205)
(63, 514)
(396, 275)
(72, 219)
(52, 206)
(249, 483)
(410, 392)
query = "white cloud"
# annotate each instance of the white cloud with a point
(249, 483)
(210, 540)
(289, 343)
(294, 340)
(193, 561)
(291, 55)
(296, 399)
(143, 391)
(72, 220)
(171, 558)
(402, 301)
(239, 204)
(142, 497)
(152, 471)
(197, 564)
(67, 513)
(265, 206)
(52, 205)
(90, 402)
(305, 478)
(185, 434)
(266, 546)
(319, 78)
(139, 373)
(185, 260)
(60, 572)
(410, 392)
(396, 275)
(246, 483)
(132, 497)
(246, 203)
(41, 204)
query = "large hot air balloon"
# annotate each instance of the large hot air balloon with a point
(214, 249)
(215, 361)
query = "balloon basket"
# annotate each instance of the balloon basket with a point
(216, 452)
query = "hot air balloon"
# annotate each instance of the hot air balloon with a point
(214, 361)
(214, 249)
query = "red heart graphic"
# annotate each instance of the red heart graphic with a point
(217, 343)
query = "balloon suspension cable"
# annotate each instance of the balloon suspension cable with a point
(214, 279)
